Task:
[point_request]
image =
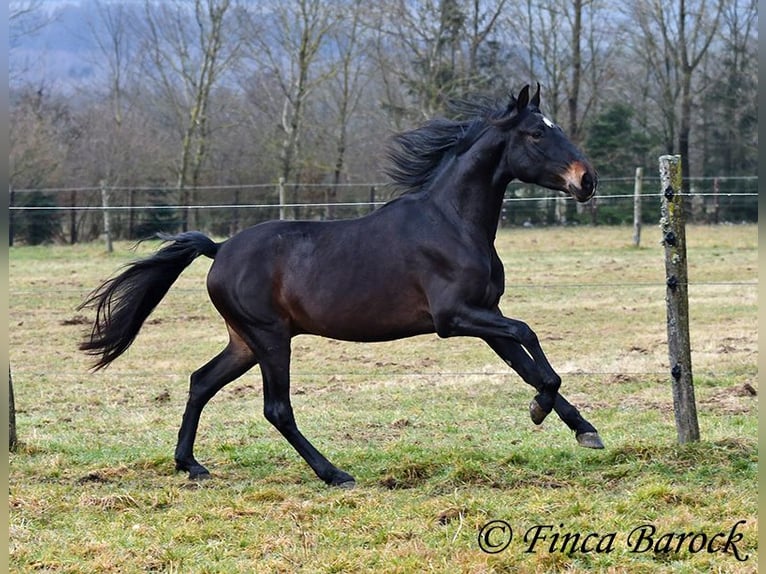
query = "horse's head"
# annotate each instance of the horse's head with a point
(539, 152)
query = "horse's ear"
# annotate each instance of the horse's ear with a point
(511, 104)
(535, 101)
(523, 100)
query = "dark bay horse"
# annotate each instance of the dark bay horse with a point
(425, 262)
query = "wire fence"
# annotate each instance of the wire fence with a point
(73, 214)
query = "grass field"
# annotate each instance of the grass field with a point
(435, 432)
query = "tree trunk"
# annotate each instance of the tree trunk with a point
(198, 79)
(574, 90)
(692, 50)
(686, 102)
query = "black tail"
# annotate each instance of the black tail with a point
(124, 302)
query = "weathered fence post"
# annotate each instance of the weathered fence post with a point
(677, 299)
(13, 440)
(637, 188)
(716, 190)
(11, 200)
(281, 187)
(107, 223)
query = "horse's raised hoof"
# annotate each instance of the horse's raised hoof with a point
(536, 412)
(590, 440)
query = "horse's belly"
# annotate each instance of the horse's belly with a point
(353, 314)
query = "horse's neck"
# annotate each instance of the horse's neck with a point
(471, 191)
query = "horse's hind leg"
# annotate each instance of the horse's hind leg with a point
(515, 356)
(227, 366)
(275, 367)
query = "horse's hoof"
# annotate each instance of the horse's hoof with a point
(343, 480)
(590, 440)
(536, 412)
(199, 475)
(196, 472)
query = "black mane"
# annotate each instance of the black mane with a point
(414, 156)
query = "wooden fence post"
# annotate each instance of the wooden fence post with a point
(107, 222)
(637, 188)
(676, 297)
(372, 198)
(11, 213)
(13, 439)
(716, 190)
(281, 186)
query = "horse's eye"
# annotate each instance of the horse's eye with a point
(536, 134)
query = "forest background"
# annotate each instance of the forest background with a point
(168, 106)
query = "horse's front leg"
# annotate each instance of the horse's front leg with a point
(515, 356)
(486, 324)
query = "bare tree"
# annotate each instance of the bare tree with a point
(110, 30)
(431, 52)
(566, 63)
(25, 18)
(696, 30)
(730, 117)
(573, 96)
(552, 53)
(289, 49)
(112, 36)
(34, 153)
(186, 58)
(570, 62)
(420, 47)
(674, 40)
(346, 87)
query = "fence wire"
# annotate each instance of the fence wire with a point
(507, 200)
(75, 214)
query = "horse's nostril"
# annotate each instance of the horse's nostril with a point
(588, 183)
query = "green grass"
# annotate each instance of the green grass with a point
(435, 432)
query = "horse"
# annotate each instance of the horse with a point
(424, 262)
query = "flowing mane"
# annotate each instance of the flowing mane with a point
(414, 156)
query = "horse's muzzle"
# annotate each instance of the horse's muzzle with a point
(581, 181)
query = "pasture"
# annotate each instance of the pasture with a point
(436, 432)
